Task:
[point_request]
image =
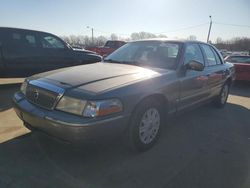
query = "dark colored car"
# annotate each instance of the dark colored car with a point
(108, 48)
(26, 52)
(242, 66)
(130, 94)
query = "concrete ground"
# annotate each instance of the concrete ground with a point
(204, 148)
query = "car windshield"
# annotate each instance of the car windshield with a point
(156, 54)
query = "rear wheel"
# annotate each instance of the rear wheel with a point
(145, 125)
(221, 100)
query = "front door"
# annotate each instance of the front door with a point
(193, 83)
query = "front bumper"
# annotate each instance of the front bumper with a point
(66, 126)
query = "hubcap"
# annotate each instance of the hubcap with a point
(224, 94)
(149, 125)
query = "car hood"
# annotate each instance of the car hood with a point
(83, 50)
(99, 77)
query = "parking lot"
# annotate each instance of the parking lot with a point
(206, 147)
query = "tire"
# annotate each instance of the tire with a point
(221, 99)
(145, 125)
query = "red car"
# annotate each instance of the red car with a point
(108, 48)
(242, 66)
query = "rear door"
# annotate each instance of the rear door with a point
(215, 69)
(21, 53)
(194, 86)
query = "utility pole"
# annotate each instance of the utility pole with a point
(92, 32)
(210, 26)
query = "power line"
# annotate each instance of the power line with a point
(229, 24)
(180, 29)
(184, 28)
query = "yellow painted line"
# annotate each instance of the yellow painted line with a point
(4, 81)
(243, 101)
(10, 126)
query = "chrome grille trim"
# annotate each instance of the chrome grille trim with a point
(47, 86)
(52, 92)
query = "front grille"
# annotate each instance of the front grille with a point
(42, 96)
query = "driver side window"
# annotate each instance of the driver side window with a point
(193, 52)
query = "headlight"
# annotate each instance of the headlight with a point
(89, 108)
(102, 108)
(24, 87)
(71, 105)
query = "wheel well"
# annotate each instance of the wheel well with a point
(159, 97)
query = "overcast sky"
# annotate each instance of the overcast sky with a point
(174, 18)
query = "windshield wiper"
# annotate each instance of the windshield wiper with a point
(123, 62)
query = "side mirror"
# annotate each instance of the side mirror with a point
(195, 65)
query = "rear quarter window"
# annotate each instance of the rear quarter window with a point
(22, 40)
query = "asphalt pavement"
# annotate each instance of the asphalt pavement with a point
(203, 148)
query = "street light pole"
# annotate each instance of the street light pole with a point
(210, 26)
(92, 32)
(92, 35)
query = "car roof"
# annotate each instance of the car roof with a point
(21, 29)
(170, 40)
(116, 40)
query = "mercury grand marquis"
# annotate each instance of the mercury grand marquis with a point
(130, 93)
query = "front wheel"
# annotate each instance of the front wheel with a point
(221, 100)
(145, 125)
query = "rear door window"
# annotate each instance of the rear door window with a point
(31, 40)
(209, 55)
(218, 59)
